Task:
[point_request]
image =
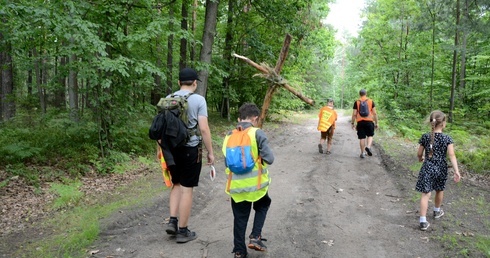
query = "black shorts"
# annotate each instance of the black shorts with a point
(365, 129)
(187, 168)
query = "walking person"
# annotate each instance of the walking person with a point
(434, 172)
(188, 159)
(326, 125)
(251, 188)
(364, 114)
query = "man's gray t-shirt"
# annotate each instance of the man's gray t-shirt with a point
(196, 106)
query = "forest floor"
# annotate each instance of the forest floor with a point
(336, 205)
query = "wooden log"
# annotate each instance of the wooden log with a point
(284, 54)
(299, 95)
(252, 63)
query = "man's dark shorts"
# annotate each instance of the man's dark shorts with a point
(187, 168)
(365, 129)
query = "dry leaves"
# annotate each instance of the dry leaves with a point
(21, 204)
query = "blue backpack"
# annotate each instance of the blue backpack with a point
(238, 151)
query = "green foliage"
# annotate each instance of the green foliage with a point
(483, 244)
(68, 194)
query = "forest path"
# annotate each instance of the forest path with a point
(334, 205)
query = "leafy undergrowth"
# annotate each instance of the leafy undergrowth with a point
(465, 230)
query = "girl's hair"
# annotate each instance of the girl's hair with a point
(436, 118)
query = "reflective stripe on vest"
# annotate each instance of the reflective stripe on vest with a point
(250, 186)
(326, 119)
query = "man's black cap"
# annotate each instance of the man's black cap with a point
(188, 74)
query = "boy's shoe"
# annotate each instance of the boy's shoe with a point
(320, 148)
(240, 255)
(438, 214)
(186, 236)
(362, 155)
(368, 151)
(329, 152)
(171, 227)
(256, 244)
(424, 225)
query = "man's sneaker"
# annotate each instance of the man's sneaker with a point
(186, 236)
(368, 151)
(424, 225)
(256, 244)
(362, 155)
(320, 148)
(438, 214)
(171, 227)
(240, 255)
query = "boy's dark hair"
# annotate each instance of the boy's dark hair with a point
(248, 110)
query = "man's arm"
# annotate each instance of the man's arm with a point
(354, 115)
(206, 137)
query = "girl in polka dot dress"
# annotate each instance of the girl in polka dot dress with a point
(434, 171)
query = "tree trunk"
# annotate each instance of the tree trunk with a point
(462, 71)
(29, 77)
(454, 66)
(7, 107)
(170, 47)
(59, 98)
(73, 89)
(156, 92)
(225, 103)
(207, 43)
(193, 28)
(183, 40)
(432, 55)
(40, 93)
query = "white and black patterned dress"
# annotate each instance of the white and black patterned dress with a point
(433, 174)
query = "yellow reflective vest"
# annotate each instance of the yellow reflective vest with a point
(250, 186)
(327, 117)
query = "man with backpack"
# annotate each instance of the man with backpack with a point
(247, 155)
(187, 159)
(364, 113)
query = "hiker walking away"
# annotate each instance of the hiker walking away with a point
(188, 159)
(326, 125)
(434, 172)
(251, 188)
(364, 114)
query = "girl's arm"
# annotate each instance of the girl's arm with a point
(454, 162)
(420, 153)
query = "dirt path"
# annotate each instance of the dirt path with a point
(322, 206)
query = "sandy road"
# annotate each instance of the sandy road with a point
(322, 206)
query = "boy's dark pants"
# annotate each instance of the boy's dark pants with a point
(241, 213)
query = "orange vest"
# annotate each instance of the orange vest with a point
(370, 105)
(327, 117)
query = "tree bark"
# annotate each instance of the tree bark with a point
(193, 28)
(462, 71)
(37, 69)
(225, 103)
(7, 107)
(170, 47)
(207, 44)
(183, 40)
(73, 89)
(60, 96)
(454, 66)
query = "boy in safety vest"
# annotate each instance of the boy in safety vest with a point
(326, 125)
(250, 188)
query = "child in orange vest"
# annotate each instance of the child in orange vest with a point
(326, 125)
